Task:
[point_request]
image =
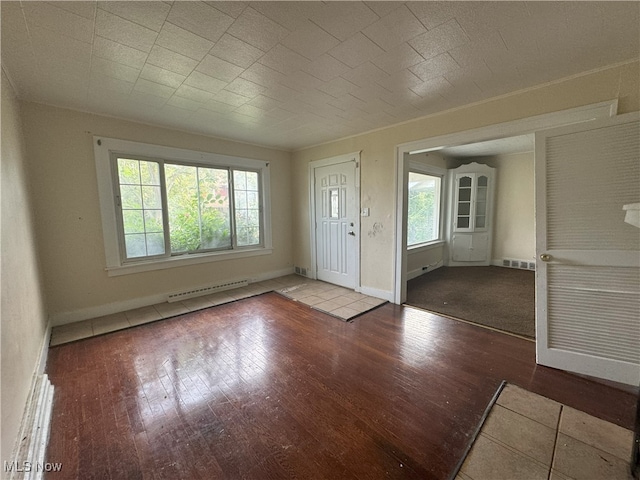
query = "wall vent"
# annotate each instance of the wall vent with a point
(520, 264)
(197, 292)
(301, 271)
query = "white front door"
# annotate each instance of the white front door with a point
(336, 224)
(588, 269)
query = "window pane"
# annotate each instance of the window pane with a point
(247, 211)
(130, 196)
(141, 207)
(198, 208)
(135, 245)
(423, 208)
(129, 171)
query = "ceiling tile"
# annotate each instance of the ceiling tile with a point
(283, 60)
(200, 18)
(432, 87)
(358, 49)
(326, 67)
(116, 70)
(385, 32)
(53, 46)
(194, 94)
(162, 76)
(439, 40)
(218, 68)
(57, 69)
(280, 92)
(265, 103)
(123, 31)
(84, 9)
(152, 88)
(383, 8)
(338, 87)
(138, 97)
(245, 88)
(117, 52)
(365, 75)
(401, 57)
(99, 82)
(435, 67)
(290, 15)
(432, 14)
(236, 51)
(148, 14)
(257, 30)
(215, 106)
(161, 57)
(233, 9)
(251, 111)
(301, 81)
(344, 19)
(184, 103)
(263, 75)
(57, 20)
(205, 82)
(181, 41)
(310, 40)
(231, 98)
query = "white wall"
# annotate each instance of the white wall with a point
(22, 313)
(67, 213)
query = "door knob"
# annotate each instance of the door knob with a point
(545, 257)
(352, 234)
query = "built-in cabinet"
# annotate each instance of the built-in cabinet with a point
(470, 224)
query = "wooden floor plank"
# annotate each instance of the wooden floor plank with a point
(269, 388)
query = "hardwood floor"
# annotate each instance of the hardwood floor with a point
(269, 388)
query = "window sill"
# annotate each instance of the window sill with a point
(425, 246)
(184, 260)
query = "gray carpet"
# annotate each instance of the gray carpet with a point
(502, 298)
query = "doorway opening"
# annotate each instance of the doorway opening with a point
(509, 235)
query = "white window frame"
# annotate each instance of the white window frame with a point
(432, 171)
(106, 148)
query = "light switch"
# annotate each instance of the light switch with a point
(365, 212)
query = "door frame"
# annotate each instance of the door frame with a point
(524, 126)
(346, 158)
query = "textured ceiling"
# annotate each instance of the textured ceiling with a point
(294, 74)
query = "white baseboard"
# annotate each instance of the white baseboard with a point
(117, 307)
(28, 461)
(374, 292)
(44, 350)
(420, 271)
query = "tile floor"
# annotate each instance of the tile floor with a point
(529, 437)
(337, 301)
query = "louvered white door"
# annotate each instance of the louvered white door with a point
(588, 269)
(336, 216)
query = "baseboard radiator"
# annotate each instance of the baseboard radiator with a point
(198, 292)
(29, 460)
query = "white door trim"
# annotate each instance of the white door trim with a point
(517, 127)
(348, 157)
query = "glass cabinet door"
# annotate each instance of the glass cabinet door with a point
(463, 207)
(481, 202)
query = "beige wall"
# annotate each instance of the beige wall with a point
(379, 164)
(23, 318)
(67, 213)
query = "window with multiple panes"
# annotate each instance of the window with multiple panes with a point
(424, 202)
(161, 204)
(169, 208)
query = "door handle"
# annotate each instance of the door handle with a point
(545, 257)
(352, 234)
